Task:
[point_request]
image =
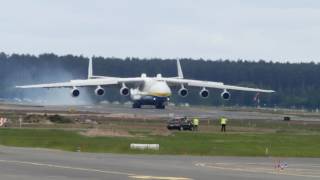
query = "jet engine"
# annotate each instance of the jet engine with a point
(225, 95)
(183, 92)
(99, 91)
(75, 92)
(204, 93)
(124, 91)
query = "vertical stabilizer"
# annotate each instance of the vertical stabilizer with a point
(90, 72)
(180, 73)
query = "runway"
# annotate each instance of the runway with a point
(39, 164)
(151, 113)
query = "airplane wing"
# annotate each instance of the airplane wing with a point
(179, 80)
(86, 82)
(210, 84)
(91, 81)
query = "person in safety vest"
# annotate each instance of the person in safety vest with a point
(223, 122)
(195, 124)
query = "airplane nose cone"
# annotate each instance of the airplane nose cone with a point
(160, 89)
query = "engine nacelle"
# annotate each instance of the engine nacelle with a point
(99, 91)
(124, 91)
(75, 92)
(183, 92)
(204, 93)
(225, 95)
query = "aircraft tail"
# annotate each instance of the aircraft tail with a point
(90, 70)
(179, 69)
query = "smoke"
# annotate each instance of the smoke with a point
(61, 96)
(53, 96)
(58, 97)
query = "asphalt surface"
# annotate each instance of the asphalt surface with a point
(40, 164)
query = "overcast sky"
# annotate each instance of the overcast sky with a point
(278, 30)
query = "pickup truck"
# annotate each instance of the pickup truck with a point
(180, 124)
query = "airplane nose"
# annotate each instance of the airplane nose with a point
(160, 89)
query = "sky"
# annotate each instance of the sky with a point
(277, 30)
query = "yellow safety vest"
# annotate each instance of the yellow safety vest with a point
(196, 122)
(223, 120)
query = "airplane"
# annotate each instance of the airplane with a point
(154, 91)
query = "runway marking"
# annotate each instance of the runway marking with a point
(289, 172)
(130, 175)
(159, 178)
(68, 167)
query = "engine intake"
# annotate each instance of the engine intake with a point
(75, 92)
(183, 92)
(99, 91)
(124, 91)
(204, 93)
(225, 95)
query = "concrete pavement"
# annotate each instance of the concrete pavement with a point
(34, 164)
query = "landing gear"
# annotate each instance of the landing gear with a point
(160, 106)
(157, 104)
(136, 105)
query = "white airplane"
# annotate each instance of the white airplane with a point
(147, 90)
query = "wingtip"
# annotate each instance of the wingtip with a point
(179, 69)
(90, 69)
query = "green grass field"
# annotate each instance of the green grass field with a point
(282, 143)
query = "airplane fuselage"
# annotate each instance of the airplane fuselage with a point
(151, 92)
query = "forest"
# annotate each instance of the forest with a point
(297, 85)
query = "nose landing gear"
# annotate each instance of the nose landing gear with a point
(160, 106)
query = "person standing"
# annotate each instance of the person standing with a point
(223, 122)
(195, 124)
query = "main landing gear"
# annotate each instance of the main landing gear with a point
(136, 105)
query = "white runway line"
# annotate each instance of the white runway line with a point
(67, 167)
(130, 175)
(159, 178)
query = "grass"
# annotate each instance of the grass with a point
(179, 143)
